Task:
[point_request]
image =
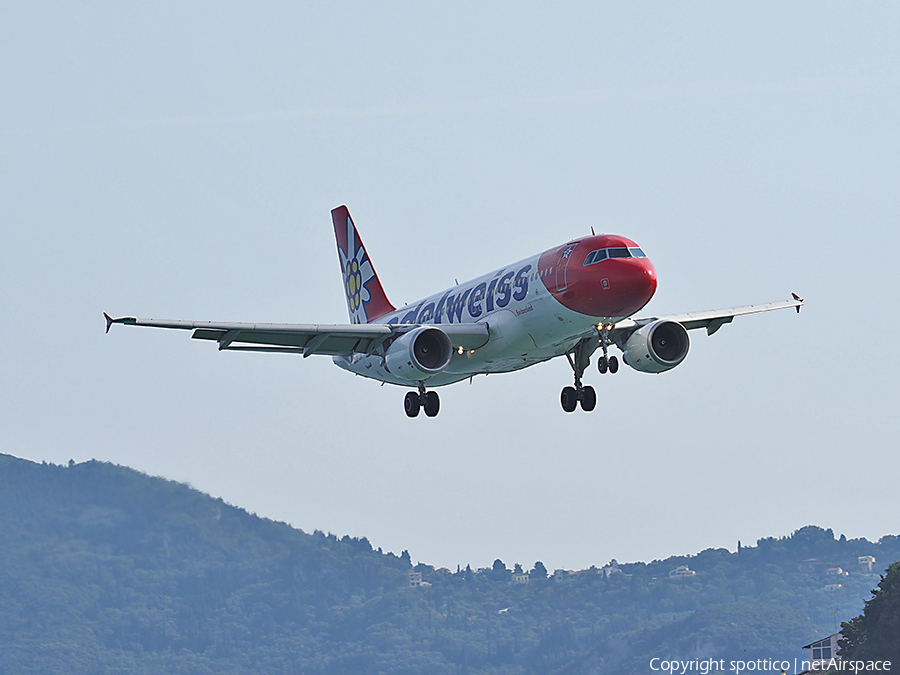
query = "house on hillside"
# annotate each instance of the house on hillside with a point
(822, 655)
(611, 568)
(681, 572)
(808, 565)
(520, 577)
(837, 572)
(415, 580)
(866, 562)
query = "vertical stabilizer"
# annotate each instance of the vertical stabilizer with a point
(366, 300)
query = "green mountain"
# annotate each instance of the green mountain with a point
(106, 570)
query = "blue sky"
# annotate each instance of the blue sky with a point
(180, 161)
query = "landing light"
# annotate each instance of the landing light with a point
(460, 351)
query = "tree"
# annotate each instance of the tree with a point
(872, 636)
(539, 571)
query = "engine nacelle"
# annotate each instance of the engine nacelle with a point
(419, 354)
(657, 347)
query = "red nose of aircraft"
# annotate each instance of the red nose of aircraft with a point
(604, 276)
(637, 284)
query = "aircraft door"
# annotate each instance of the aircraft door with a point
(562, 265)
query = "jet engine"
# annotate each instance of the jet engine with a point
(657, 347)
(419, 354)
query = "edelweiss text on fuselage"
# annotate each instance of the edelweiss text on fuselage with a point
(474, 301)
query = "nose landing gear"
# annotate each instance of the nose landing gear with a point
(606, 363)
(610, 365)
(427, 400)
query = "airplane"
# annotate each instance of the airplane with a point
(570, 300)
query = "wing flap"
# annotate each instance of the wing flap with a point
(309, 343)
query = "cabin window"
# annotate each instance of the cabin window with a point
(636, 252)
(619, 253)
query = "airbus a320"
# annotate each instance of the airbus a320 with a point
(571, 300)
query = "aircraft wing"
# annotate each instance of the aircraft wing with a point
(711, 320)
(306, 339)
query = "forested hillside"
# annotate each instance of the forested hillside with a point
(106, 570)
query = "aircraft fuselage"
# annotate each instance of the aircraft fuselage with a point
(534, 309)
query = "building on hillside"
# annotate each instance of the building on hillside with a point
(560, 575)
(610, 569)
(808, 565)
(681, 572)
(866, 562)
(833, 587)
(822, 655)
(837, 571)
(415, 580)
(520, 577)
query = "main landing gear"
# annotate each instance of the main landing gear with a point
(415, 401)
(580, 359)
(572, 395)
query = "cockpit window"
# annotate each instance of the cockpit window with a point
(618, 252)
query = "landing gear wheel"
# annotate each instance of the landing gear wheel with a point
(411, 404)
(569, 399)
(588, 399)
(613, 364)
(432, 403)
(603, 364)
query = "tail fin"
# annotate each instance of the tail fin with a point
(366, 300)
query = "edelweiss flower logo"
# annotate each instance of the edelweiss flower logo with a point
(357, 273)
